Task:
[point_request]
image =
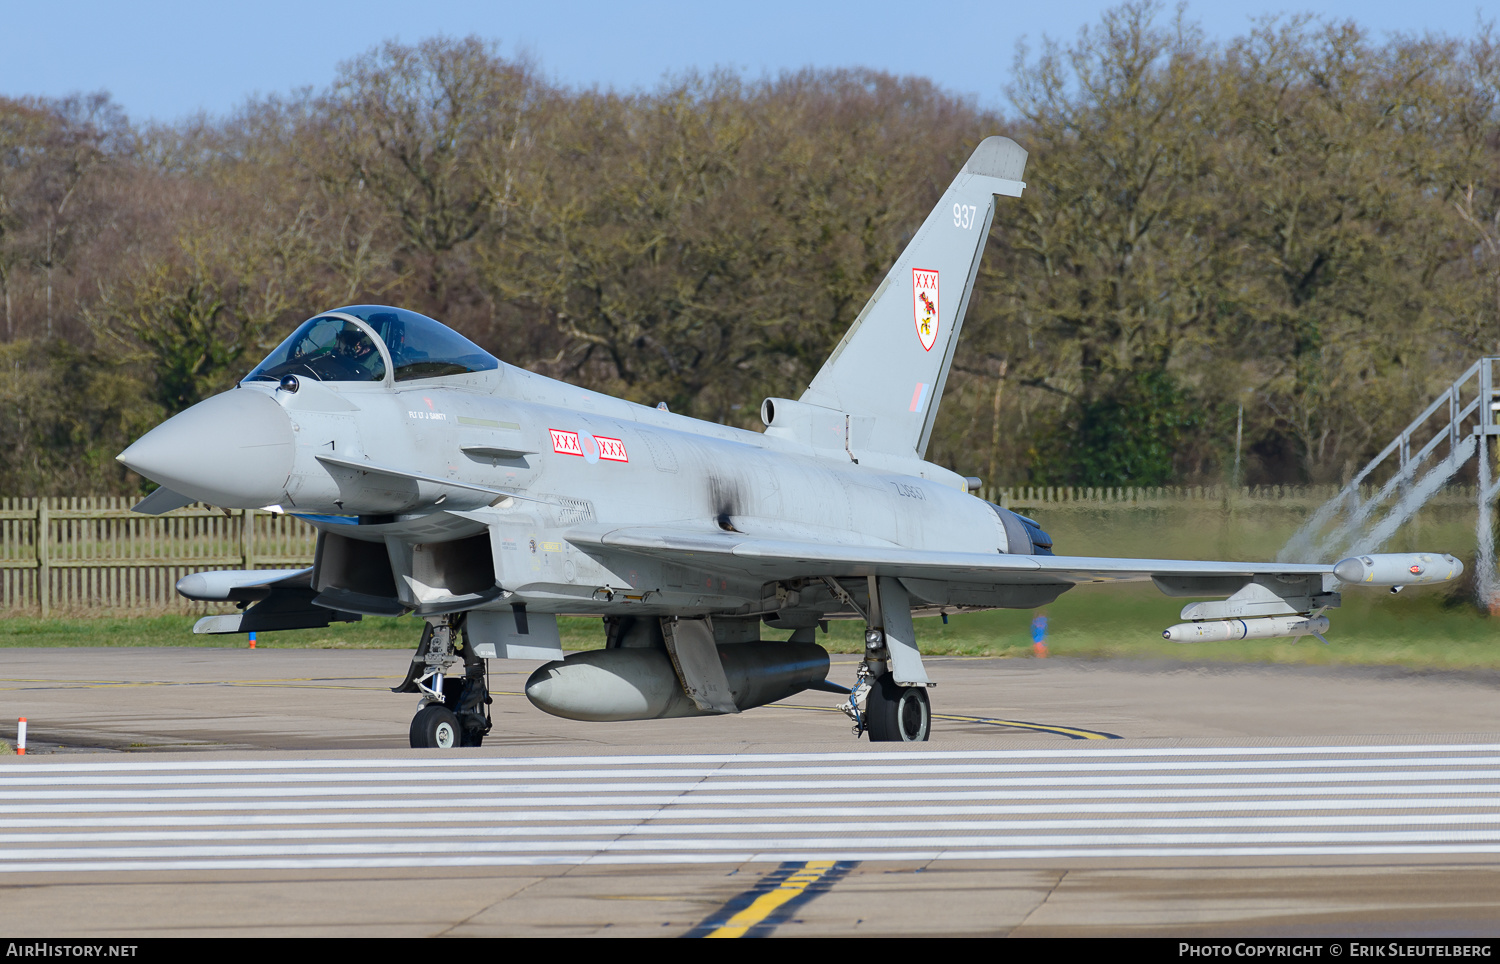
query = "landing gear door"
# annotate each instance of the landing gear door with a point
(900, 634)
(690, 643)
(495, 635)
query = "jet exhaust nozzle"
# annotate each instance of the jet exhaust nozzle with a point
(1228, 630)
(615, 685)
(1398, 569)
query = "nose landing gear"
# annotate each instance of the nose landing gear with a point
(454, 712)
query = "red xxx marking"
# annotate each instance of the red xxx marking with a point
(612, 449)
(566, 443)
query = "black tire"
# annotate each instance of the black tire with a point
(896, 713)
(435, 727)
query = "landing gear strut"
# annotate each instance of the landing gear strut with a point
(454, 712)
(893, 713)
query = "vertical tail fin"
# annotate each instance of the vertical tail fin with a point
(893, 362)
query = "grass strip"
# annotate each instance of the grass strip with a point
(1418, 629)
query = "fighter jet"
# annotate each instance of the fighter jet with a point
(488, 500)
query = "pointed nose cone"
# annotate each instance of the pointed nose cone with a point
(233, 450)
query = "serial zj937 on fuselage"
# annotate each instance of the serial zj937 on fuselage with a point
(488, 500)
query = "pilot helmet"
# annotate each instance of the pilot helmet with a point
(352, 341)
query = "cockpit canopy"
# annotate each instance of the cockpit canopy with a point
(334, 347)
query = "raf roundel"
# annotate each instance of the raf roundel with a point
(924, 305)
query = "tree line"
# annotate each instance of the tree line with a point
(1300, 226)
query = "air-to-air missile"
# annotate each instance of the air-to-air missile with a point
(1267, 627)
(1255, 604)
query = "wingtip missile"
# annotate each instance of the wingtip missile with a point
(1398, 569)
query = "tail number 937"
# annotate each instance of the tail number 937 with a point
(964, 215)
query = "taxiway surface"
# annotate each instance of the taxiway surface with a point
(271, 792)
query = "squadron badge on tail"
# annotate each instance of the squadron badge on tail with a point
(924, 303)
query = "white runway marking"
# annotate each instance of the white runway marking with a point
(18, 780)
(470, 763)
(1188, 803)
(704, 797)
(1184, 784)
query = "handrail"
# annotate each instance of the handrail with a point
(1366, 520)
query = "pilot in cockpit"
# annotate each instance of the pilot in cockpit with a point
(334, 348)
(354, 352)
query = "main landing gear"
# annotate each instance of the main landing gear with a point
(893, 713)
(454, 711)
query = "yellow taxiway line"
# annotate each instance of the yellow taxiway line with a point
(762, 910)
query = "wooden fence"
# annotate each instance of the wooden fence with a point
(1092, 497)
(68, 555)
(93, 555)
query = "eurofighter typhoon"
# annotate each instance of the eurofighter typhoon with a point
(488, 500)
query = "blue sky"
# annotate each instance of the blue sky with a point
(167, 60)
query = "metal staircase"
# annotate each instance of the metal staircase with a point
(1458, 426)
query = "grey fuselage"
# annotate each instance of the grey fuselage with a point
(639, 466)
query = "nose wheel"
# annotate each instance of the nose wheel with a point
(896, 713)
(436, 727)
(459, 720)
